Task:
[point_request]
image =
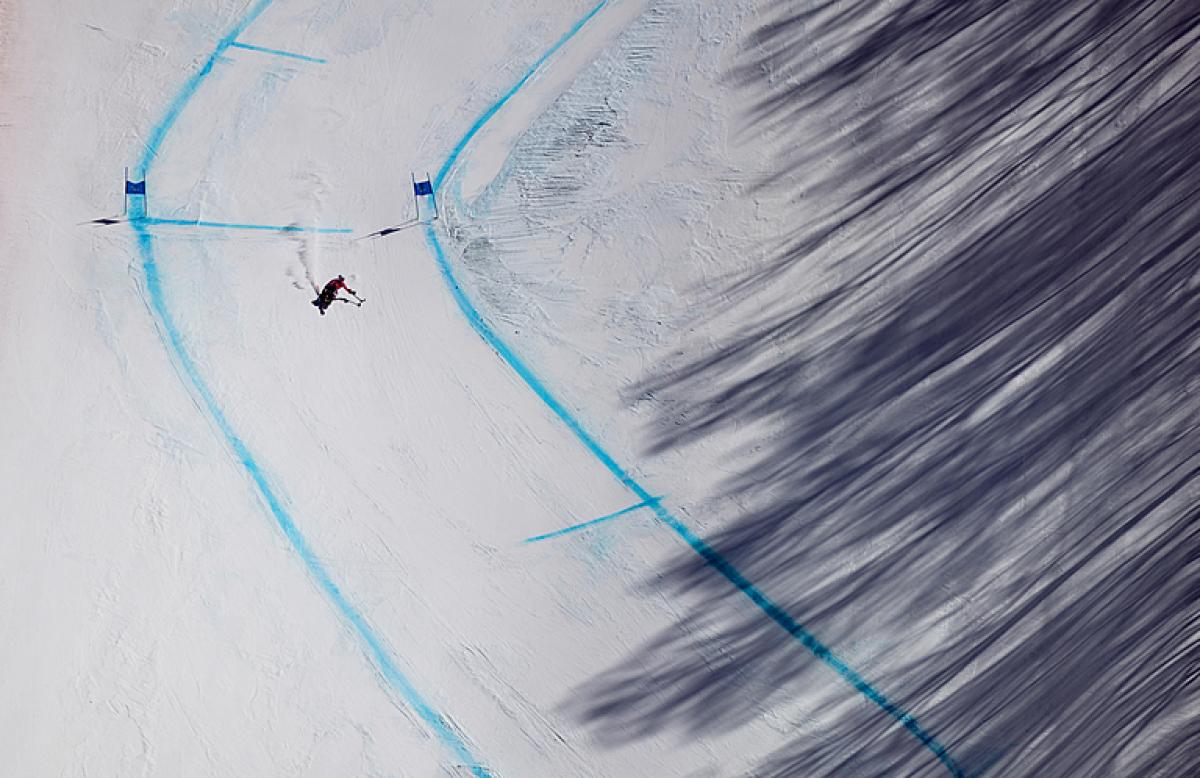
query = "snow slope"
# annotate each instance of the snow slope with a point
(344, 459)
(440, 533)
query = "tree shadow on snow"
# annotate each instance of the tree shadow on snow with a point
(983, 389)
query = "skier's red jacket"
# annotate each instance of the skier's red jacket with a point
(335, 284)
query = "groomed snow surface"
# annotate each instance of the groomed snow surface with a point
(784, 389)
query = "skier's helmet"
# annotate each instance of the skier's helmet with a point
(341, 278)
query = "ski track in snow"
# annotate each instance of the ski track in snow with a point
(373, 643)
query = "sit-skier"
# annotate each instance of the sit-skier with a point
(329, 294)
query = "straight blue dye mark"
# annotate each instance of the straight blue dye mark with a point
(710, 555)
(276, 52)
(593, 522)
(173, 340)
(154, 220)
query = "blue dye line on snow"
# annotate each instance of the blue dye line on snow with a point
(277, 52)
(496, 106)
(174, 342)
(159, 133)
(593, 522)
(151, 221)
(710, 555)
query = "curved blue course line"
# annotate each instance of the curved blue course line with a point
(710, 555)
(173, 340)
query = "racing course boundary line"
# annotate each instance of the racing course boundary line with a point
(173, 341)
(711, 556)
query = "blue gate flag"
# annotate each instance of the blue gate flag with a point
(419, 187)
(135, 187)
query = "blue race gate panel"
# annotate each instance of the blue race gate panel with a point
(426, 202)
